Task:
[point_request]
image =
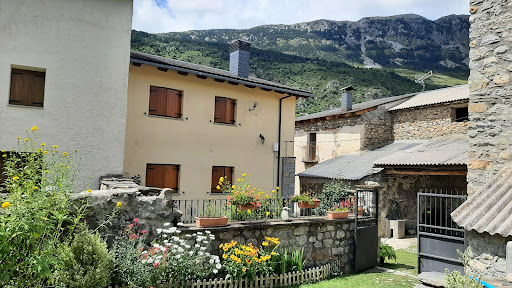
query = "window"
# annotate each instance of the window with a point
(162, 176)
(461, 114)
(225, 110)
(165, 102)
(27, 88)
(221, 171)
(311, 156)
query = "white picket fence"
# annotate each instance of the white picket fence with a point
(289, 279)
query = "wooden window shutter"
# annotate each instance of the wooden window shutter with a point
(173, 107)
(152, 172)
(162, 176)
(157, 101)
(230, 111)
(27, 88)
(217, 172)
(220, 110)
(170, 177)
(228, 172)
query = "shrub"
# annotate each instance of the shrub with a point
(36, 214)
(247, 260)
(455, 279)
(332, 194)
(129, 270)
(386, 251)
(85, 263)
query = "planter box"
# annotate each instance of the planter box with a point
(305, 205)
(211, 221)
(247, 207)
(337, 215)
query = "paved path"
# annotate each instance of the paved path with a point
(400, 243)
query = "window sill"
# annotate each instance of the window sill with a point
(310, 161)
(224, 124)
(166, 117)
(23, 106)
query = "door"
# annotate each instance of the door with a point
(366, 227)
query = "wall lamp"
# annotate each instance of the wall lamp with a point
(262, 138)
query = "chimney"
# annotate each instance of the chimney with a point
(346, 98)
(239, 58)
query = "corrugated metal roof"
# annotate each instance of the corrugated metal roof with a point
(355, 166)
(149, 59)
(355, 107)
(490, 209)
(439, 151)
(451, 94)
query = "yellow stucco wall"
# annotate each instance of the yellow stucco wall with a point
(196, 143)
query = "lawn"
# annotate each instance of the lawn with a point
(406, 262)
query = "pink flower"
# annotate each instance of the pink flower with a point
(130, 226)
(155, 264)
(133, 236)
(136, 220)
(144, 232)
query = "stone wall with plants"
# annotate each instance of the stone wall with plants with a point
(428, 122)
(323, 240)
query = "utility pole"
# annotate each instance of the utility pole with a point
(421, 79)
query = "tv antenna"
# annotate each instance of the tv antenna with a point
(420, 79)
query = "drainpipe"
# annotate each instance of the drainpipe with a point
(279, 141)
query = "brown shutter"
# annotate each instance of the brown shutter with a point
(220, 110)
(230, 111)
(27, 88)
(217, 172)
(157, 101)
(228, 172)
(152, 175)
(312, 146)
(173, 103)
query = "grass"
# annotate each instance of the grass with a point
(436, 79)
(406, 262)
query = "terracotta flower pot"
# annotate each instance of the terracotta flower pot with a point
(337, 215)
(247, 207)
(211, 221)
(305, 205)
(360, 211)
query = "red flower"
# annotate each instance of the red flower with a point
(130, 226)
(144, 232)
(133, 236)
(155, 264)
(136, 220)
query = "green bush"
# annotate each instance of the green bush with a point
(386, 251)
(455, 279)
(36, 214)
(85, 263)
(332, 194)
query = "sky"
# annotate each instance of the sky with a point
(157, 16)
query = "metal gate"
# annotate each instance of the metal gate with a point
(366, 227)
(438, 236)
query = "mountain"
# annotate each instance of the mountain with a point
(324, 55)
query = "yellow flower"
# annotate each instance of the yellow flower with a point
(238, 180)
(234, 187)
(43, 144)
(89, 190)
(76, 150)
(220, 246)
(273, 253)
(55, 146)
(264, 243)
(47, 171)
(35, 187)
(34, 128)
(224, 256)
(268, 213)
(119, 204)
(15, 178)
(221, 179)
(5, 155)
(277, 188)
(45, 152)
(249, 211)
(273, 191)
(244, 269)
(218, 187)
(18, 138)
(26, 139)
(245, 174)
(65, 153)
(68, 167)
(248, 186)
(6, 205)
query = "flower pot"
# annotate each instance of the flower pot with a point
(337, 215)
(247, 207)
(305, 205)
(211, 221)
(360, 211)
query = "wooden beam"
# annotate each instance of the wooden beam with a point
(220, 80)
(201, 76)
(163, 69)
(182, 73)
(233, 83)
(250, 86)
(365, 111)
(136, 64)
(425, 172)
(266, 89)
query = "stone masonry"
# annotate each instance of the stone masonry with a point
(490, 113)
(428, 122)
(323, 240)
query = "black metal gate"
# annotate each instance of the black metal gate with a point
(366, 227)
(438, 236)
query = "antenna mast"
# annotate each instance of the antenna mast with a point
(421, 79)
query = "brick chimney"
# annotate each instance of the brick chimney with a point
(346, 98)
(239, 58)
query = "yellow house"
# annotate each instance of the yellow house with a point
(187, 125)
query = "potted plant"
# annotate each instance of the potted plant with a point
(340, 211)
(305, 201)
(212, 216)
(242, 194)
(386, 251)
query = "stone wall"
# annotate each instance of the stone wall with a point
(323, 240)
(428, 122)
(490, 103)
(398, 197)
(490, 113)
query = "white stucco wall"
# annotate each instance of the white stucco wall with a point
(84, 47)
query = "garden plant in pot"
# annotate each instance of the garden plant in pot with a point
(386, 251)
(305, 201)
(242, 194)
(212, 216)
(340, 211)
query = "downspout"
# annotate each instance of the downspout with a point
(279, 141)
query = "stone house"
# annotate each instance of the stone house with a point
(429, 151)
(486, 214)
(168, 121)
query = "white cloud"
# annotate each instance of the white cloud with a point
(182, 15)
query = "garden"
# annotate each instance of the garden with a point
(45, 241)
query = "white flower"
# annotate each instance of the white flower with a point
(158, 230)
(167, 224)
(207, 254)
(188, 235)
(211, 261)
(180, 224)
(150, 260)
(218, 266)
(197, 246)
(200, 253)
(207, 232)
(177, 256)
(144, 261)
(157, 261)
(199, 233)
(190, 253)
(144, 252)
(215, 271)
(178, 231)
(203, 248)
(188, 246)
(172, 229)
(156, 245)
